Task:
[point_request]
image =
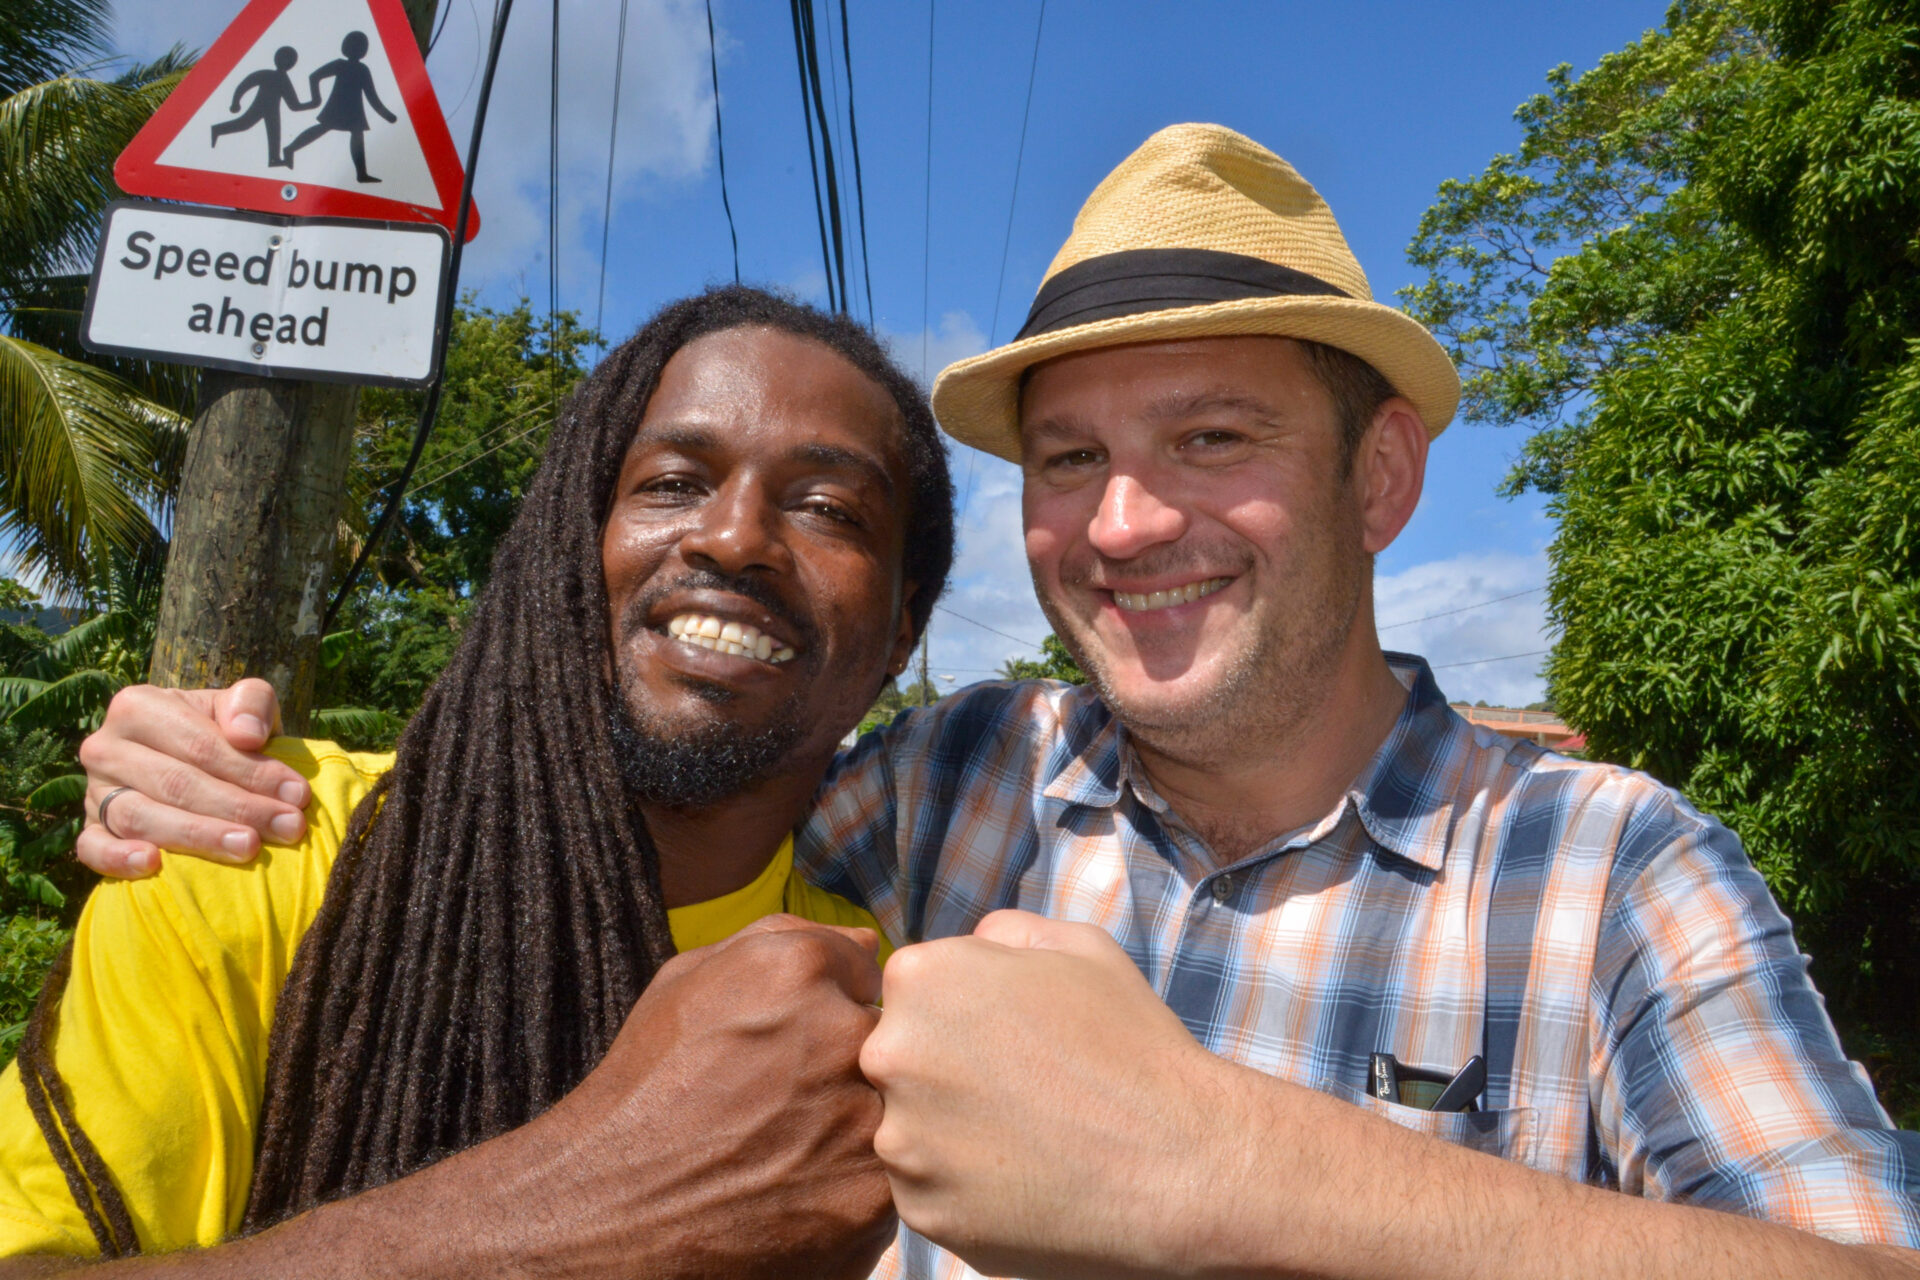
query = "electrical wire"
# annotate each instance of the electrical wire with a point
(502, 9)
(1465, 608)
(811, 60)
(457, 468)
(813, 161)
(613, 135)
(859, 183)
(1480, 662)
(984, 627)
(438, 28)
(719, 138)
(926, 206)
(1019, 158)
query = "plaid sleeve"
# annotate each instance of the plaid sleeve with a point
(847, 846)
(1718, 1079)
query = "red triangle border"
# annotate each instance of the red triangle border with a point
(139, 171)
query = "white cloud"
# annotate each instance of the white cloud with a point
(925, 353)
(1475, 623)
(666, 116)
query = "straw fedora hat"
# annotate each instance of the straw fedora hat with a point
(1200, 233)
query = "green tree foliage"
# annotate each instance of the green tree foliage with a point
(507, 373)
(53, 691)
(1699, 278)
(1055, 663)
(89, 448)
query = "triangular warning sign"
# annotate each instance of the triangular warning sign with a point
(305, 107)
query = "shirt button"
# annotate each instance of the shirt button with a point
(1222, 889)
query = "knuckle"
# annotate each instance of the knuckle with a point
(202, 750)
(173, 784)
(879, 1058)
(92, 750)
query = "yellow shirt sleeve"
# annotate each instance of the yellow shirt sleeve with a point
(161, 1038)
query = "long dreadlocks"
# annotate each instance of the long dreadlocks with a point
(495, 910)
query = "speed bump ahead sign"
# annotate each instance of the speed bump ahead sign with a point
(323, 298)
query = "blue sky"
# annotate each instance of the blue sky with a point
(1375, 103)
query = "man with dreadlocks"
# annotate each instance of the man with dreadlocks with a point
(447, 1031)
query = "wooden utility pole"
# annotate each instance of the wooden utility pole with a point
(926, 681)
(250, 565)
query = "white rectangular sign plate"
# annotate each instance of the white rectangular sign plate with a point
(319, 298)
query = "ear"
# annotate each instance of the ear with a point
(1389, 470)
(903, 637)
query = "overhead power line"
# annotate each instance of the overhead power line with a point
(926, 206)
(859, 184)
(455, 251)
(813, 159)
(1019, 158)
(984, 627)
(613, 135)
(813, 100)
(1465, 608)
(719, 138)
(1480, 662)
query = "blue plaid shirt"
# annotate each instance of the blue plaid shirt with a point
(1645, 1016)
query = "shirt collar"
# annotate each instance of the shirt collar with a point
(1404, 797)
(1401, 797)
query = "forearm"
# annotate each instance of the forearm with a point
(476, 1213)
(1328, 1190)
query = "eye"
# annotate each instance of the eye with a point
(831, 508)
(669, 490)
(1212, 444)
(1069, 460)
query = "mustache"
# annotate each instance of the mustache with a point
(712, 580)
(1096, 570)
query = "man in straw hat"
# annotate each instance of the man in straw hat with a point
(1243, 958)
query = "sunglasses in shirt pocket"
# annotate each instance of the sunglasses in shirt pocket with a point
(1506, 1133)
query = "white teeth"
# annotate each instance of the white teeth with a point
(726, 636)
(1140, 602)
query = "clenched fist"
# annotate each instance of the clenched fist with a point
(1041, 1102)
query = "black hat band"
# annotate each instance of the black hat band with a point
(1134, 281)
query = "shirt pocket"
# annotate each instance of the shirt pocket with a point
(1507, 1133)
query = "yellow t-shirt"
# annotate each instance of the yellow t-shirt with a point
(162, 1037)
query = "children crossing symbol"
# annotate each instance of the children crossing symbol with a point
(365, 140)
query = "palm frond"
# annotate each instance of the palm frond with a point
(74, 701)
(358, 726)
(17, 691)
(58, 141)
(68, 788)
(80, 465)
(69, 650)
(42, 38)
(48, 311)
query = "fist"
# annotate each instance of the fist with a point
(1039, 1100)
(729, 1124)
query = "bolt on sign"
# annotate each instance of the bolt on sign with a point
(324, 298)
(316, 117)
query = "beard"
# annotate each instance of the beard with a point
(695, 766)
(1277, 681)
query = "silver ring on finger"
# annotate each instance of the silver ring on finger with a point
(106, 800)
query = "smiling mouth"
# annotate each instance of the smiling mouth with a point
(705, 631)
(1144, 601)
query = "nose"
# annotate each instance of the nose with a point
(1132, 519)
(737, 532)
